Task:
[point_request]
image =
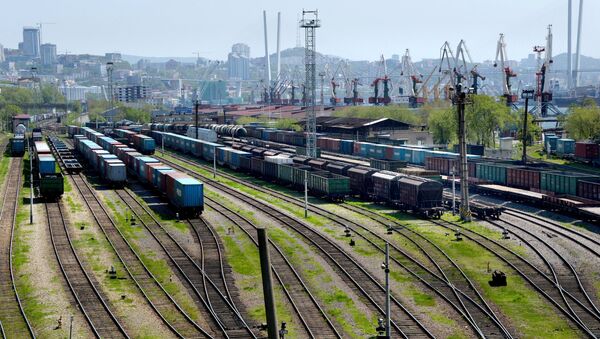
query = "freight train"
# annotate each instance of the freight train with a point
(332, 180)
(506, 173)
(186, 194)
(235, 131)
(50, 181)
(583, 151)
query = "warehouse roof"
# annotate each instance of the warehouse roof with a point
(357, 123)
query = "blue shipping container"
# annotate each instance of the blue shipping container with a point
(189, 192)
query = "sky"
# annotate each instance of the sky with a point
(357, 30)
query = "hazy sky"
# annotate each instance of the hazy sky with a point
(350, 28)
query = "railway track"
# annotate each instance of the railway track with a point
(314, 319)
(84, 288)
(13, 320)
(220, 306)
(587, 242)
(563, 274)
(154, 293)
(450, 283)
(538, 279)
(404, 322)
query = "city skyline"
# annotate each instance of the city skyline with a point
(181, 35)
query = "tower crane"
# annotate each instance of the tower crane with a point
(507, 72)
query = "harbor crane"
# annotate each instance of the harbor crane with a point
(507, 72)
(383, 78)
(543, 92)
(463, 59)
(409, 72)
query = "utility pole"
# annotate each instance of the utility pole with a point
(267, 281)
(453, 190)
(196, 107)
(111, 92)
(460, 100)
(386, 267)
(305, 194)
(310, 22)
(526, 94)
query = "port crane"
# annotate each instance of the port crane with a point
(507, 72)
(543, 92)
(463, 58)
(376, 99)
(414, 78)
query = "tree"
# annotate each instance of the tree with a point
(50, 94)
(483, 117)
(443, 125)
(583, 122)
(534, 131)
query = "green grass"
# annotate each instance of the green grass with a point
(536, 152)
(529, 313)
(158, 267)
(242, 256)
(335, 301)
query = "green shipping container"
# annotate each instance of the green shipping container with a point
(493, 172)
(330, 184)
(563, 182)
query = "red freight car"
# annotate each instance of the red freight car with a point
(587, 150)
(523, 177)
(588, 189)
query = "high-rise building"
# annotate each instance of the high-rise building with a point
(31, 42)
(2, 58)
(238, 62)
(48, 54)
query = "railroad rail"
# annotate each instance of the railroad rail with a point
(221, 308)
(154, 293)
(575, 297)
(12, 314)
(545, 285)
(84, 288)
(585, 241)
(314, 319)
(459, 292)
(404, 322)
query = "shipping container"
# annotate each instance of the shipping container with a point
(46, 164)
(565, 146)
(550, 141)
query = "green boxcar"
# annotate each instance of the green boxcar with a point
(387, 165)
(51, 185)
(563, 182)
(332, 185)
(493, 172)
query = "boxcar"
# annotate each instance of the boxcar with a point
(361, 180)
(384, 188)
(333, 186)
(419, 195)
(339, 168)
